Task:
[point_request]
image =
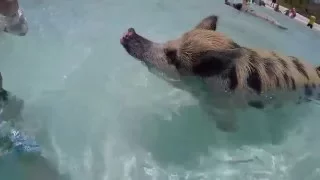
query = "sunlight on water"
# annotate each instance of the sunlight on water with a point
(98, 114)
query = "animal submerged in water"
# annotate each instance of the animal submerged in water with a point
(223, 75)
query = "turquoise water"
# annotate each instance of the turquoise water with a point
(100, 115)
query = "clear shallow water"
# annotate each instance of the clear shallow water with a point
(98, 114)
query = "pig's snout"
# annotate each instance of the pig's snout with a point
(127, 36)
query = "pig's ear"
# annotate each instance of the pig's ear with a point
(214, 62)
(208, 23)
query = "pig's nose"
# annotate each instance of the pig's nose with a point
(131, 30)
(127, 35)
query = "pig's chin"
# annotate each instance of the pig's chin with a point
(147, 64)
(166, 74)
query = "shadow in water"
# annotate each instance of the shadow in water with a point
(191, 133)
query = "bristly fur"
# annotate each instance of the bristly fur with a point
(209, 53)
(262, 71)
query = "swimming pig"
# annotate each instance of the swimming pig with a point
(223, 75)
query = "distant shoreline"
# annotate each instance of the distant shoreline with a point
(302, 19)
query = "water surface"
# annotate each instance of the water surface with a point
(99, 114)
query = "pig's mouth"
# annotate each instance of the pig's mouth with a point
(136, 45)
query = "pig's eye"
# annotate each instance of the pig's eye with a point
(171, 55)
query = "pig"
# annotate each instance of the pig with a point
(223, 75)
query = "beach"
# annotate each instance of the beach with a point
(298, 17)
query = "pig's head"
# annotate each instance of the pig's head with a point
(201, 51)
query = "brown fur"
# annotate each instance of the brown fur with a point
(256, 69)
(275, 71)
